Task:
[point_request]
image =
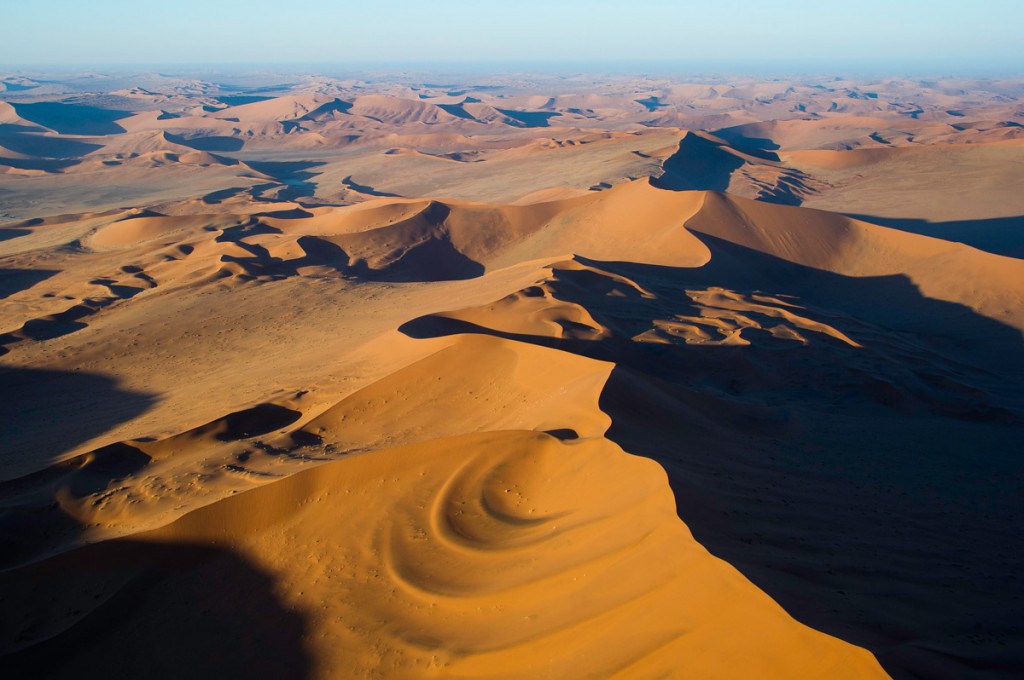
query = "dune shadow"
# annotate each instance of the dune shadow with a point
(9, 234)
(14, 128)
(16, 280)
(18, 87)
(241, 99)
(457, 110)
(324, 111)
(221, 195)
(47, 413)
(211, 143)
(73, 119)
(70, 320)
(698, 164)
(44, 164)
(997, 235)
(289, 214)
(431, 259)
(529, 119)
(44, 147)
(736, 137)
(872, 491)
(295, 175)
(149, 609)
(652, 103)
(33, 525)
(350, 183)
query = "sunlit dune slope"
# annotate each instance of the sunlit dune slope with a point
(490, 555)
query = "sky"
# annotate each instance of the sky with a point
(961, 35)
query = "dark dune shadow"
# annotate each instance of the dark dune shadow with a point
(46, 413)
(738, 139)
(433, 259)
(16, 280)
(366, 188)
(240, 99)
(898, 534)
(14, 128)
(318, 251)
(217, 197)
(456, 110)
(70, 320)
(652, 104)
(873, 492)
(18, 87)
(326, 111)
(893, 303)
(46, 147)
(530, 119)
(251, 422)
(149, 609)
(295, 174)
(212, 143)
(73, 119)
(997, 235)
(46, 165)
(8, 234)
(32, 525)
(290, 214)
(56, 327)
(698, 164)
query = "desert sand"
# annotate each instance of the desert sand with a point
(513, 378)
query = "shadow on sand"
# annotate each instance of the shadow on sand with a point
(211, 143)
(698, 164)
(16, 280)
(997, 235)
(131, 608)
(47, 413)
(872, 491)
(73, 119)
(295, 175)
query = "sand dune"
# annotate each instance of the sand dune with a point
(494, 543)
(277, 109)
(524, 378)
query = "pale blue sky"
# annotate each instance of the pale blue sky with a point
(973, 34)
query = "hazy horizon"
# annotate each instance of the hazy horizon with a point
(654, 69)
(871, 37)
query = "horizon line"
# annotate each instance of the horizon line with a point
(961, 67)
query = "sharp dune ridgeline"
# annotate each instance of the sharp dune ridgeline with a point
(523, 378)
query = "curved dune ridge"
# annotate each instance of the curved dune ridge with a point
(489, 555)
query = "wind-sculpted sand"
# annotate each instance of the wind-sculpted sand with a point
(631, 379)
(509, 554)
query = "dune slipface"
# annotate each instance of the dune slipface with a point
(541, 378)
